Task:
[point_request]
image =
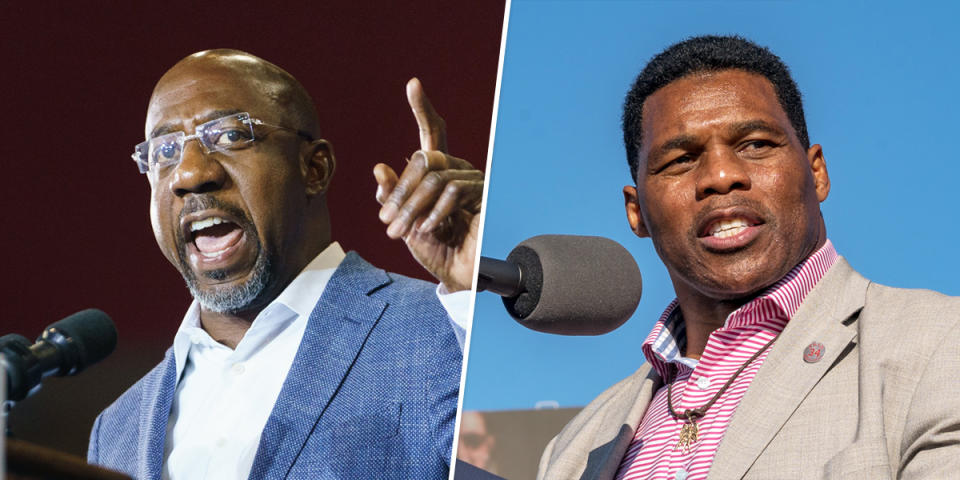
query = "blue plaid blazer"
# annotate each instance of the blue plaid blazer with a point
(372, 392)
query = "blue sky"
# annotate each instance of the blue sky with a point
(880, 89)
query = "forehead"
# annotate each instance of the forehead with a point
(188, 95)
(697, 103)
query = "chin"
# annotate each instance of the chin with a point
(737, 294)
(235, 296)
(229, 300)
(736, 285)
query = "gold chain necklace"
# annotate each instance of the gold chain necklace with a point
(690, 432)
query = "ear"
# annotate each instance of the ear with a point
(318, 166)
(632, 204)
(818, 166)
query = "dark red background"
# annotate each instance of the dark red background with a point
(75, 83)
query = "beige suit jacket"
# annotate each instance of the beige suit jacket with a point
(883, 401)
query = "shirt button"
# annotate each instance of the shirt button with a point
(703, 383)
(680, 475)
(238, 369)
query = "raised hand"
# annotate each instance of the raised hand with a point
(434, 204)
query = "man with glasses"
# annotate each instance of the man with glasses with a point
(295, 359)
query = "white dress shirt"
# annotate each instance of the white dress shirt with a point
(224, 397)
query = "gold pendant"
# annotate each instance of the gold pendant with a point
(688, 435)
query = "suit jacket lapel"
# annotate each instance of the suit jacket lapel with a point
(604, 460)
(336, 332)
(785, 378)
(601, 437)
(158, 390)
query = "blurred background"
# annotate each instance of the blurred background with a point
(879, 81)
(76, 80)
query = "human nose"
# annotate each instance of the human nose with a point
(197, 172)
(722, 172)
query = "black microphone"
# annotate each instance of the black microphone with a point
(64, 348)
(565, 284)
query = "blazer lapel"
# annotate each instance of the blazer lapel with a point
(155, 405)
(601, 434)
(785, 378)
(336, 332)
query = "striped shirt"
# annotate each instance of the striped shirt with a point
(653, 453)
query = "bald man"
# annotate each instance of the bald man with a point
(295, 359)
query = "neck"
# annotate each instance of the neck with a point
(227, 328)
(701, 319)
(703, 314)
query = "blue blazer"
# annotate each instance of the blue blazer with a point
(372, 392)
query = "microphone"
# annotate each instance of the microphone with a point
(565, 284)
(66, 347)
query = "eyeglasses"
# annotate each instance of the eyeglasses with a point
(226, 135)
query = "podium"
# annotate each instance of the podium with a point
(28, 461)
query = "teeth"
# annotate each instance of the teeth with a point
(728, 228)
(205, 223)
(213, 254)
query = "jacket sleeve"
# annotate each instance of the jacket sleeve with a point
(545, 459)
(931, 441)
(93, 453)
(444, 383)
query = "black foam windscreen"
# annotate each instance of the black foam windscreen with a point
(89, 335)
(574, 285)
(531, 278)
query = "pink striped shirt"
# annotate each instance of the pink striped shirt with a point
(653, 453)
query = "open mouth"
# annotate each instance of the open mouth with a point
(216, 240)
(214, 236)
(730, 229)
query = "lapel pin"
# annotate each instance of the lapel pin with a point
(813, 353)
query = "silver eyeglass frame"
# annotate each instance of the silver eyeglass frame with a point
(141, 152)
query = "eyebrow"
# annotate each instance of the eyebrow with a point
(745, 128)
(680, 142)
(691, 142)
(212, 115)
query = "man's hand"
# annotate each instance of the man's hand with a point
(434, 205)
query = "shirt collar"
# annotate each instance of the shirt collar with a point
(788, 293)
(663, 347)
(296, 301)
(301, 295)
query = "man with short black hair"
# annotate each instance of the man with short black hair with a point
(296, 359)
(776, 360)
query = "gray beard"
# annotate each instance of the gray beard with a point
(231, 299)
(222, 299)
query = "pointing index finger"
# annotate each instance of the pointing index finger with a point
(433, 130)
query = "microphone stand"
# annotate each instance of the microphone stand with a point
(4, 412)
(6, 405)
